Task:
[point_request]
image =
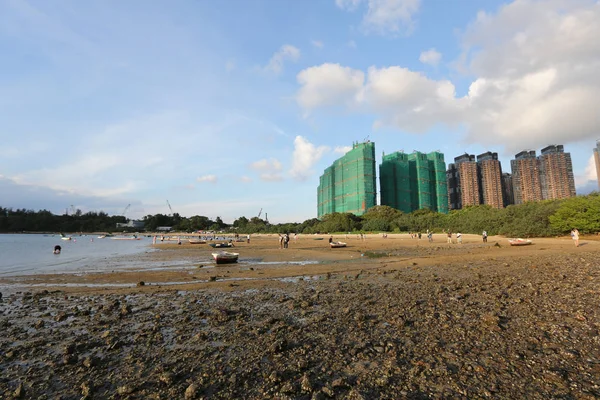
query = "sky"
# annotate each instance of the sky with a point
(226, 108)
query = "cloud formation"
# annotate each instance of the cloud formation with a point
(328, 85)
(269, 169)
(534, 87)
(385, 17)
(318, 44)
(342, 149)
(285, 53)
(430, 57)
(207, 178)
(304, 157)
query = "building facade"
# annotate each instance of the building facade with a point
(410, 182)
(547, 177)
(349, 184)
(463, 182)
(507, 189)
(556, 173)
(490, 179)
(526, 177)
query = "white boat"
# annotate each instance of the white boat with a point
(335, 245)
(126, 238)
(519, 242)
(65, 237)
(197, 241)
(224, 257)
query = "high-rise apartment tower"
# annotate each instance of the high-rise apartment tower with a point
(490, 179)
(526, 177)
(463, 182)
(556, 173)
(349, 184)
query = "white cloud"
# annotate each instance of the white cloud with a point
(305, 156)
(328, 85)
(391, 16)
(430, 57)
(385, 17)
(318, 44)
(267, 165)
(285, 53)
(245, 179)
(349, 5)
(207, 178)
(271, 177)
(535, 66)
(342, 149)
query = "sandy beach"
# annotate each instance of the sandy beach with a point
(387, 317)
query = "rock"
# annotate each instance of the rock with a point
(88, 362)
(86, 389)
(19, 391)
(126, 309)
(306, 384)
(125, 389)
(39, 324)
(191, 392)
(141, 283)
(167, 378)
(60, 317)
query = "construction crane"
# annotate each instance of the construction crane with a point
(171, 209)
(126, 209)
(259, 213)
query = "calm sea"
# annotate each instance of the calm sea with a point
(32, 254)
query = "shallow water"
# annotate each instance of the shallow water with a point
(23, 254)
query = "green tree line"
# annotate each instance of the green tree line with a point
(534, 219)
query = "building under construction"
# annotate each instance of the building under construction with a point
(414, 181)
(349, 184)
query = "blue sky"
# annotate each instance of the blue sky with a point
(227, 107)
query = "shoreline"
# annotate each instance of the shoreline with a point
(173, 266)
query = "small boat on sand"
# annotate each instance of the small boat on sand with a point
(519, 242)
(220, 245)
(335, 245)
(224, 257)
(196, 241)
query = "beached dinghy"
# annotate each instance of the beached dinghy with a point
(196, 241)
(220, 245)
(519, 242)
(335, 245)
(224, 257)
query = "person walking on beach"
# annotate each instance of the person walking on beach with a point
(280, 241)
(484, 236)
(449, 237)
(248, 238)
(430, 236)
(459, 237)
(575, 236)
(286, 240)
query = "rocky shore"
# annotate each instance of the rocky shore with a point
(524, 328)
